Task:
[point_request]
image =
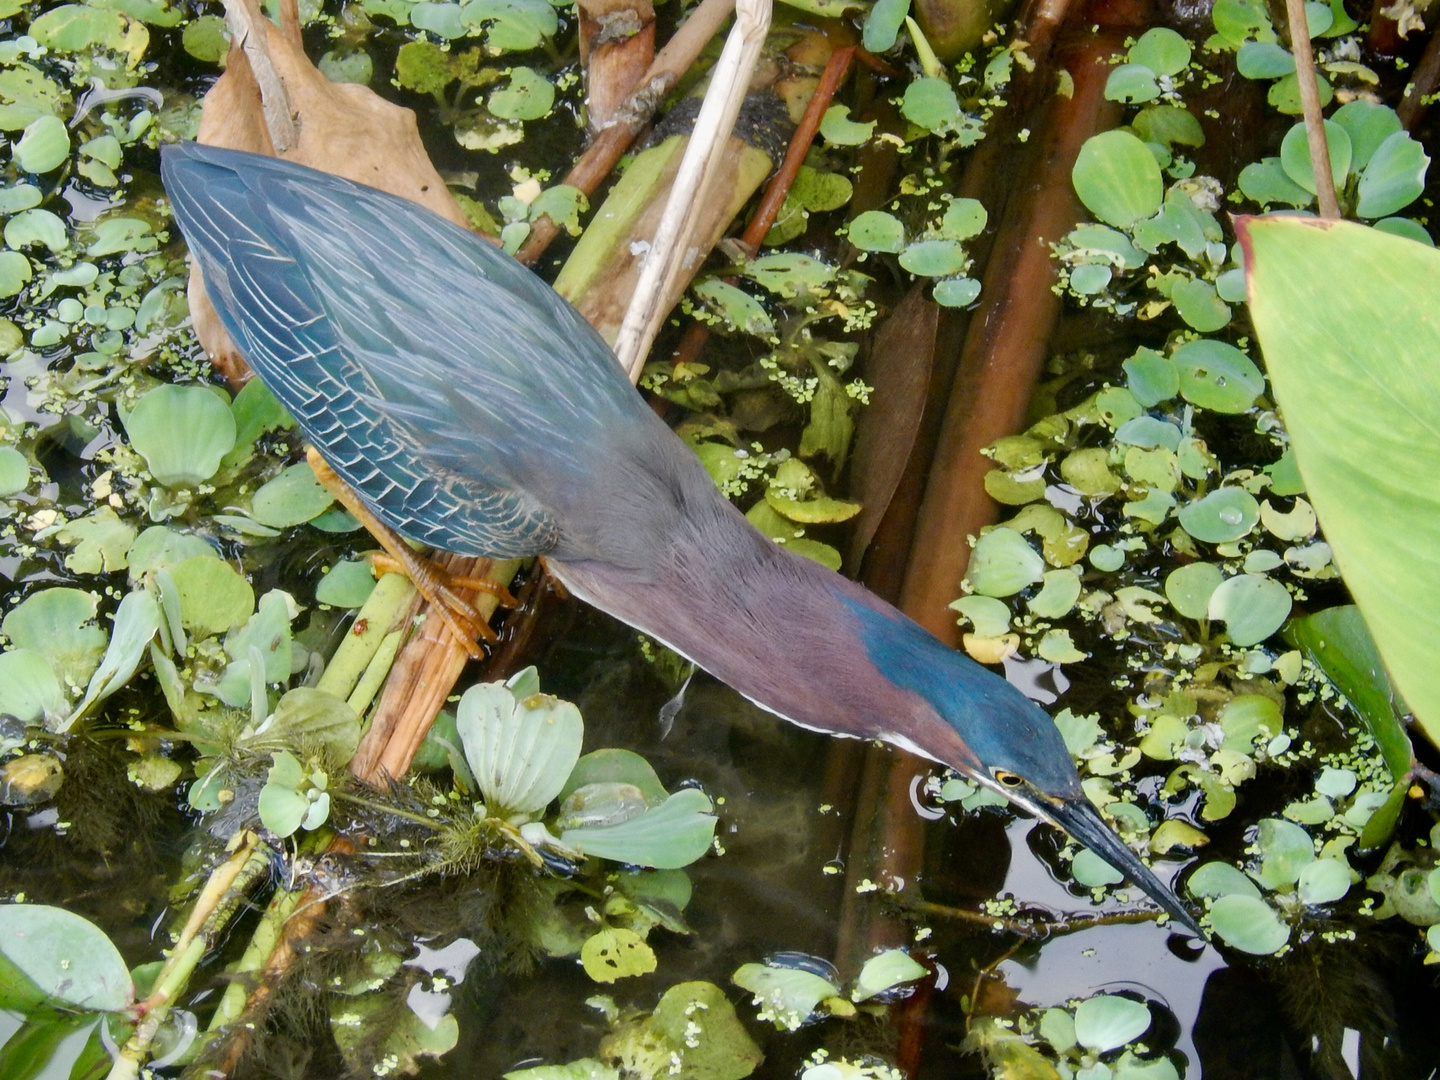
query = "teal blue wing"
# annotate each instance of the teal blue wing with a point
(441, 380)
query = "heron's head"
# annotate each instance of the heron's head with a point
(1014, 747)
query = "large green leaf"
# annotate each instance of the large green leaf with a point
(1345, 317)
(520, 751)
(55, 955)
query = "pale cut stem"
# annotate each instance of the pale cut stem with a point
(669, 251)
(1310, 103)
(246, 23)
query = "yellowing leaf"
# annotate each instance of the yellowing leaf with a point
(615, 954)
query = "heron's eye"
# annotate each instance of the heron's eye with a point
(1009, 779)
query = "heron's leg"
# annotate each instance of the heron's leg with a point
(432, 582)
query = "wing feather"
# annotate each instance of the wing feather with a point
(438, 377)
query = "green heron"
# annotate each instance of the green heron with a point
(475, 411)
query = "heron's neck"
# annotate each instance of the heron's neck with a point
(774, 626)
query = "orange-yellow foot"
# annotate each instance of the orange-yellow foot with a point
(437, 585)
(433, 582)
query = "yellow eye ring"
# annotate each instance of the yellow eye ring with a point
(1009, 779)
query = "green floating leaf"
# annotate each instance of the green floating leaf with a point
(1168, 125)
(160, 547)
(931, 103)
(1246, 718)
(206, 39)
(1251, 606)
(1108, 1021)
(15, 273)
(73, 28)
(989, 617)
(963, 219)
(283, 808)
(44, 146)
(1285, 850)
(819, 511)
(1151, 377)
(885, 971)
(347, 584)
(883, 23)
(1264, 60)
(510, 25)
(693, 1034)
(520, 751)
(182, 432)
(1216, 879)
(1406, 227)
(601, 804)
(1090, 279)
(1161, 50)
(667, 837)
(1217, 376)
(137, 621)
(1190, 587)
(1266, 183)
(59, 624)
(787, 996)
(1225, 515)
(615, 766)
(1368, 124)
(616, 953)
(934, 258)
(1324, 881)
(1394, 178)
(1249, 924)
(788, 273)
(1093, 872)
(342, 66)
(839, 130)
(1132, 84)
(528, 96)
(214, 597)
(29, 689)
(1003, 563)
(14, 471)
(1117, 178)
(738, 307)
(312, 719)
(1284, 94)
(292, 498)
(1355, 379)
(37, 226)
(875, 230)
(1295, 155)
(1197, 302)
(62, 958)
(956, 292)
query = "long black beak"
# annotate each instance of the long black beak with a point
(1082, 821)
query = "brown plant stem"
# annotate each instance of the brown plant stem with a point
(617, 47)
(1310, 105)
(594, 165)
(1009, 335)
(989, 394)
(424, 674)
(838, 66)
(1427, 73)
(1036, 929)
(672, 257)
